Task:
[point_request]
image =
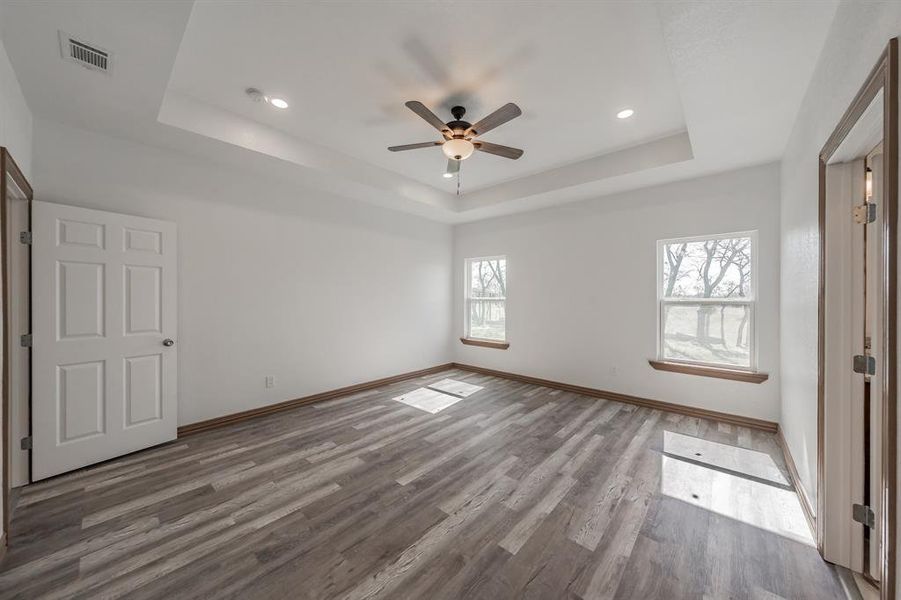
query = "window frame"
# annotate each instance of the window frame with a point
(467, 301)
(750, 301)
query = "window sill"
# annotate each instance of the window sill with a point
(485, 343)
(716, 372)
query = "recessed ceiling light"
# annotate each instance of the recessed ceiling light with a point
(448, 175)
(625, 113)
(278, 102)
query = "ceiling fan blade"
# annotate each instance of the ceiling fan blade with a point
(430, 117)
(505, 151)
(453, 166)
(505, 113)
(413, 146)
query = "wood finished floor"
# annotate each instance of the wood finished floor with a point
(516, 492)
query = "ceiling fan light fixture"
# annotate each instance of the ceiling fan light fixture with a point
(458, 149)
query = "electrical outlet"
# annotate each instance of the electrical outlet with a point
(270, 381)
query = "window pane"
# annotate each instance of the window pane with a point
(709, 333)
(487, 319)
(707, 269)
(488, 278)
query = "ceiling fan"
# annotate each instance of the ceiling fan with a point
(459, 136)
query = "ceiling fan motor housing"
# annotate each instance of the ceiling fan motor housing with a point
(458, 126)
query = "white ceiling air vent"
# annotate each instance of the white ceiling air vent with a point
(89, 56)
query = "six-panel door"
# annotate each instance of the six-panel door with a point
(104, 302)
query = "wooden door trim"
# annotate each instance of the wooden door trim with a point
(883, 76)
(8, 168)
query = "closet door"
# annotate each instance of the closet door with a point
(104, 320)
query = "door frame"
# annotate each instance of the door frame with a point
(883, 76)
(8, 169)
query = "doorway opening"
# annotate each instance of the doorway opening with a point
(857, 354)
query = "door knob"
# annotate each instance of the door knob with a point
(168, 342)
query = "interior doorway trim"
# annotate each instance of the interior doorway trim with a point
(884, 76)
(8, 170)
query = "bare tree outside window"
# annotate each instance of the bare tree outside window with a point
(707, 300)
(486, 298)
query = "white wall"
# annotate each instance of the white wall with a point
(15, 118)
(857, 37)
(582, 287)
(318, 291)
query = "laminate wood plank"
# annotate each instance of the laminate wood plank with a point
(225, 480)
(388, 578)
(477, 485)
(384, 436)
(13, 576)
(584, 454)
(114, 552)
(287, 436)
(123, 568)
(583, 416)
(472, 442)
(534, 415)
(454, 428)
(619, 541)
(208, 456)
(588, 529)
(76, 480)
(164, 494)
(520, 534)
(382, 419)
(530, 485)
(191, 553)
(46, 492)
(500, 415)
(361, 497)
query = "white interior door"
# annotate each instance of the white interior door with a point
(875, 262)
(843, 483)
(104, 324)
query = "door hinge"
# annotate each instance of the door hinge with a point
(25, 443)
(865, 213)
(25, 340)
(25, 237)
(865, 364)
(863, 514)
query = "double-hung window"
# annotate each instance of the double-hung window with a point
(486, 298)
(706, 293)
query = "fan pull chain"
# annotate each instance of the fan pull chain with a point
(459, 180)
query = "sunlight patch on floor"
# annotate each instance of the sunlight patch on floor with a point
(764, 505)
(428, 400)
(742, 460)
(457, 388)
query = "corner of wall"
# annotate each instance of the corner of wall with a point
(857, 37)
(16, 123)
